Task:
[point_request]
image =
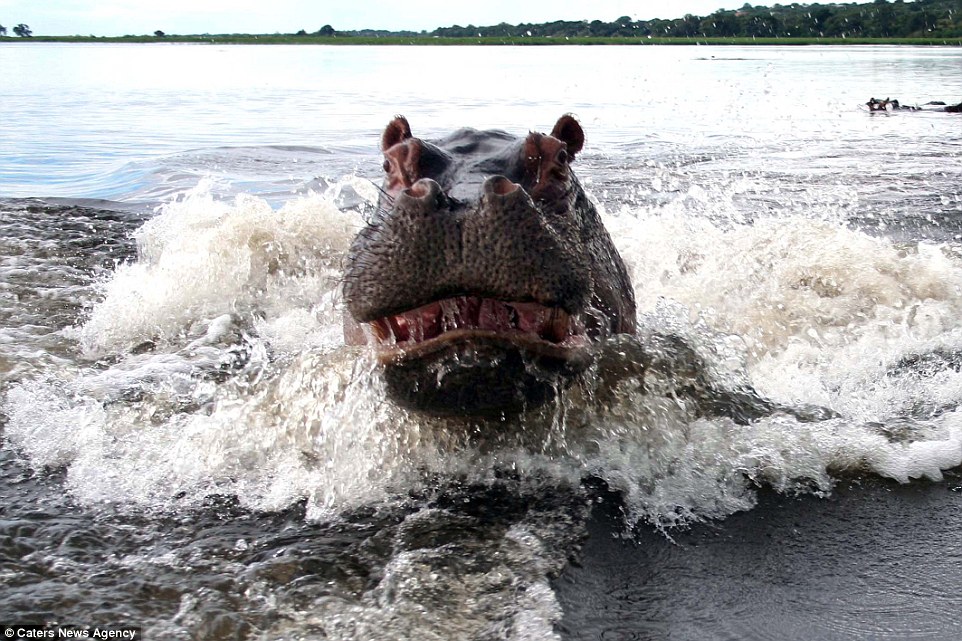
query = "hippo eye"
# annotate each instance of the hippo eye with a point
(387, 166)
(562, 157)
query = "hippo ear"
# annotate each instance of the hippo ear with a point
(398, 130)
(569, 131)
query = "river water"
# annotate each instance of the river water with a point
(188, 446)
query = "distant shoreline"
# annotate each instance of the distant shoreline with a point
(281, 39)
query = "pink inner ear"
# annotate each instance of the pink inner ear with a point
(398, 130)
(569, 131)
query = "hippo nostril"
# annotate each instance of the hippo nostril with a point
(500, 186)
(424, 188)
(425, 192)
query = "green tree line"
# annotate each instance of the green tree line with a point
(877, 19)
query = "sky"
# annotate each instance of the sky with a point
(121, 17)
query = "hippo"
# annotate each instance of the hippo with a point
(486, 275)
(487, 283)
(942, 106)
(874, 104)
(888, 104)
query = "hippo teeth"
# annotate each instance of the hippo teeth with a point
(533, 320)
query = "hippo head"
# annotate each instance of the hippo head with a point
(486, 274)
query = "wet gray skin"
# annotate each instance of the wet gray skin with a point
(486, 276)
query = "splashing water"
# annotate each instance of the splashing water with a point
(239, 381)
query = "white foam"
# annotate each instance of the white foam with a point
(817, 306)
(200, 258)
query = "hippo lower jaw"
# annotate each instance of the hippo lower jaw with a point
(478, 355)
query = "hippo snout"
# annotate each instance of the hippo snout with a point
(427, 246)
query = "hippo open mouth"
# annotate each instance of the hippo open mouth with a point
(549, 330)
(486, 274)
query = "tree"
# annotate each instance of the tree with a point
(884, 16)
(763, 26)
(687, 26)
(720, 23)
(22, 30)
(326, 30)
(601, 29)
(159, 34)
(820, 17)
(3, 30)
